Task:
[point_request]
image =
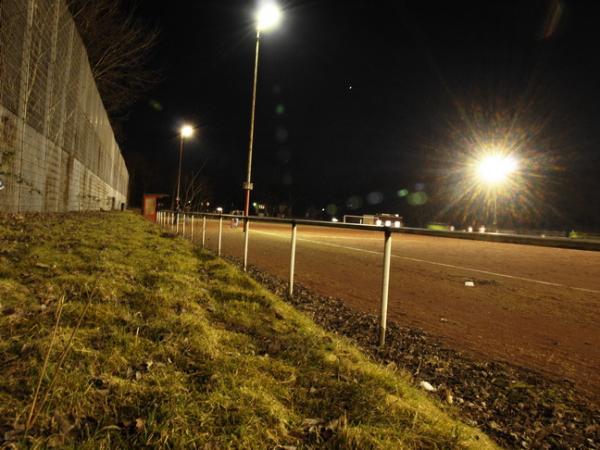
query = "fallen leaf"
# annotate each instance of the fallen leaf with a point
(139, 424)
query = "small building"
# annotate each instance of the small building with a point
(151, 205)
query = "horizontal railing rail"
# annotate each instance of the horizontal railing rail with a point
(172, 220)
(550, 241)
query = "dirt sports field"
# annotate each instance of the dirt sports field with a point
(535, 307)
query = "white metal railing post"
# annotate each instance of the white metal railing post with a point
(246, 237)
(387, 254)
(220, 236)
(192, 225)
(183, 226)
(292, 259)
(203, 230)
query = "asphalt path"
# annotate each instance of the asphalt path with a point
(535, 307)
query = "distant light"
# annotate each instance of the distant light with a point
(482, 229)
(378, 222)
(334, 219)
(494, 169)
(388, 223)
(470, 229)
(219, 209)
(254, 204)
(186, 131)
(397, 224)
(268, 17)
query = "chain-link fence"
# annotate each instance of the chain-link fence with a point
(57, 148)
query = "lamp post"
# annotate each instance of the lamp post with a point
(493, 170)
(186, 131)
(267, 18)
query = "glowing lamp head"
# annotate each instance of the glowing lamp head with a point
(268, 17)
(494, 169)
(186, 131)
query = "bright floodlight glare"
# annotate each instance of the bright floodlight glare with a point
(494, 169)
(268, 17)
(187, 131)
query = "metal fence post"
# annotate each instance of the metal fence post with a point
(183, 226)
(192, 234)
(220, 235)
(292, 259)
(203, 230)
(246, 236)
(387, 254)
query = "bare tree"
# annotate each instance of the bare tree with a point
(196, 190)
(118, 47)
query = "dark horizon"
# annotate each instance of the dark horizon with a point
(361, 104)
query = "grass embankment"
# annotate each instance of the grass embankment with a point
(177, 349)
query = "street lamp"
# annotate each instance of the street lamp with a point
(267, 18)
(185, 132)
(494, 170)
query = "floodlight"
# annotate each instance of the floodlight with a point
(494, 169)
(268, 17)
(187, 131)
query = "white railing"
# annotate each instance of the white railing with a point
(171, 221)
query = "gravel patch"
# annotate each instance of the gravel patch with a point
(519, 408)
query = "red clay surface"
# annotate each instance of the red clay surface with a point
(535, 307)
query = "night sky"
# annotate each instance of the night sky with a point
(376, 106)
